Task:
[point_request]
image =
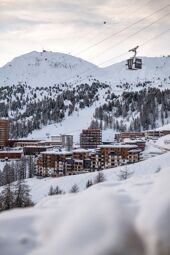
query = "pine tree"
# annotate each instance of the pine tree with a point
(51, 191)
(89, 183)
(58, 191)
(21, 169)
(22, 195)
(124, 174)
(99, 178)
(8, 174)
(74, 189)
(7, 198)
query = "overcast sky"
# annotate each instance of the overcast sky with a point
(71, 26)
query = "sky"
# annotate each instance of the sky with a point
(99, 31)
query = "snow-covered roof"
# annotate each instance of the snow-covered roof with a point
(135, 151)
(12, 151)
(56, 153)
(38, 146)
(80, 150)
(118, 146)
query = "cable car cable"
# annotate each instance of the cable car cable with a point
(122, 30)
(135, 33)
(123, 54)
(103, 30)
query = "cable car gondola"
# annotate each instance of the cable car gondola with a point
(134, 63)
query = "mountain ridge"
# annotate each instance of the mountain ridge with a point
(49, 68)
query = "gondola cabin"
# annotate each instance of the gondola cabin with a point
(134, 63)
(138, 63)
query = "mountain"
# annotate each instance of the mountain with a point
(43, 69)
(94, 216)
(49, 68)
(154, 69)
(55, 93)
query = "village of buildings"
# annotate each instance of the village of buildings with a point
(60, 156)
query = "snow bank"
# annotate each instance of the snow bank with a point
(164, 142)
(154, 217)
(90, 223)
(130, 217)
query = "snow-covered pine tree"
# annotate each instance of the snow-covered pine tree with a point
(99, 178)
(7, 199)
(89, 183)
(22, 195)
(74, 189)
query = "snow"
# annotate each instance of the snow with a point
(128, 146)
(56, 152)
(143, 171)
(85, 230)
(2, 164)
(165, 127)
(164, 142)
(49, 68)
(39, 69)
(155, 230)
(73, 124)
(43, 69)
(91, 221)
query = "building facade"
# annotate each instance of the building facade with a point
(4, 133)
(62, 163)
(90, 138)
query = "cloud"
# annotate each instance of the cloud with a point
(66, 25)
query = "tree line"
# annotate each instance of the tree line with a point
(134, 111)
(31, 108)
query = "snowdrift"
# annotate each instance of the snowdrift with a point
(105, 219)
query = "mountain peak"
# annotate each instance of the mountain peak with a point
(47, 68)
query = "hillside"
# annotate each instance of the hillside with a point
(94, 216)
(43, 69)
(49, 68)
(44, 93)
(142, 173)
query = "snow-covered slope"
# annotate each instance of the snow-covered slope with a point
(48, 68)
(144, 173)
(43, 69)
(91, 222)
(164, 127)
(155, 69)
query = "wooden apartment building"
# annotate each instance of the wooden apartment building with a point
(51, 163)
(4, 133)
(90, 138)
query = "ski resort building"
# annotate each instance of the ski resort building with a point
(140, 143)
(120, 137)
(4, 133)
(131, 135)
(10, 155)
(35, 150)
(90, 138)
(59, 163)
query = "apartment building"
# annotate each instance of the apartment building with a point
(90, 138)
(52, 163)
(10, 155)
(118, 154)
(4, 133)
(140, 143)
(131, 135)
